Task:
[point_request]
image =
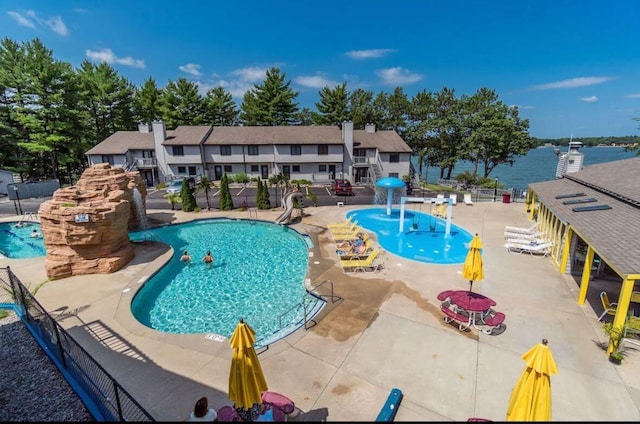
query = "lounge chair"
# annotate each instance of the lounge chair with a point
(350, 221)
(343, 228)
(526, 240)
(454, 198)
(439, 199)
(365, 265)
(609, 307)
(523, 236)
(341, 239)
(441, 211)
(530, 230)
(348, 234)
(467, 199)
(542, 249)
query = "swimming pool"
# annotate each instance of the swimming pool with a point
(16, 242)
(258, 274)
(423, 239)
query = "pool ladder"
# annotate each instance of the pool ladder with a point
(331, 297)
(29, 216)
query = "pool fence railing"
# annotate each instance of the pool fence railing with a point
(102, 395)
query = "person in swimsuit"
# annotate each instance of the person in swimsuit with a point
(186, 258)
(208, 259)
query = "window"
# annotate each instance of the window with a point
(296, 150)
(225, 150)
(322, 168)
(228, 168)
(254, 168)
(182, 169)
(394, 158)
(178, 150)
(393, 174)
(323, 149)
(192, 170)
(253, 150)
(295, 168)
(107, 159)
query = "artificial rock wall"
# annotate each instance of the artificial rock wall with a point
(104, 198)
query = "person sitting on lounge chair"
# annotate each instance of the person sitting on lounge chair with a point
(344, 245)
(359, 249)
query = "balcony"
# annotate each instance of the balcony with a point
(361, 161)
(142, 163)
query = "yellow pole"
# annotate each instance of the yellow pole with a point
(586, 276)
(532, 209)
(623, 306)
(565, 251)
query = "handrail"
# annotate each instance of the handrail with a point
(333, 298)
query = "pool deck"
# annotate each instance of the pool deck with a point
(387, 332)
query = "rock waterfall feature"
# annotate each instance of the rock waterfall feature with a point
(86, 227)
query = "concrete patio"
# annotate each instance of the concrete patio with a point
(386, 332)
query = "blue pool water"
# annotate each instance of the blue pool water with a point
(258, 274)
(16, 243)
(423, 244)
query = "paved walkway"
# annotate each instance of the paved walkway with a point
(386, 333)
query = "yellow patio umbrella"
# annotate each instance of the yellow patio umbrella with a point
(531, 397)
(246, 380)
(472, 269)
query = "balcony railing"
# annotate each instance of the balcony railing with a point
(146, 162)
(361, 160)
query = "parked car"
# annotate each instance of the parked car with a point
(175, 187)
(341, 187)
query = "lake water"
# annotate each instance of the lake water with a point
(538, 165)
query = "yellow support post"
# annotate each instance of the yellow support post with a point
(532, 209)
(565, 251)
(620, 318)
(586, 276)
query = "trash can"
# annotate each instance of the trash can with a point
(506, 197)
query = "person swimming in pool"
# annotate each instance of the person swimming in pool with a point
(186, 258)
(208, 259)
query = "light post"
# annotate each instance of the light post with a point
(495, 190)
(15, 187)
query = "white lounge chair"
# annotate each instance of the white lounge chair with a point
(525, 236)
(454, 198)
(467, 199)
(529, 230)
(542, 249)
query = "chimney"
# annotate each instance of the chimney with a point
(160, 135)
(347, 139)
(370, 128)
(144, 127)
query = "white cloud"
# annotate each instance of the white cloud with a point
(32, 20)
(316, 81)
(572, 83)
(106, 55)
(241, 81)
(397, 76)
(21, 20)
(191, 68)
(633, 96)
(56, 25)
(368, 54)
(591, 99)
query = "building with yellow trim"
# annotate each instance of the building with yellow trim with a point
(593, 218)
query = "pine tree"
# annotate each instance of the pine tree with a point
(188, 199)
(226, 202)
(270, 103)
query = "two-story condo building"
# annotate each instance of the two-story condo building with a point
(315, 153)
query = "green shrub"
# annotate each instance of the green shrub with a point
(226, 202)
(188, 199)
(241, 178)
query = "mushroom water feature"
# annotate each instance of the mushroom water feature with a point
(390, 183)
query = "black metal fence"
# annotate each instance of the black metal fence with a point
(102, 395)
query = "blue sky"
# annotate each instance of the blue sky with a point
(573, 67)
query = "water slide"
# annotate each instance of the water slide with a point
(287, 202)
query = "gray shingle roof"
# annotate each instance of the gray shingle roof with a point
(120, 142)
(187, 135)
(275, 135)
(613, 233)
(384, 141)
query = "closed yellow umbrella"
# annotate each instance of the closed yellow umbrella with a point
(472, 269)
(246, 380)
(531, 397)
